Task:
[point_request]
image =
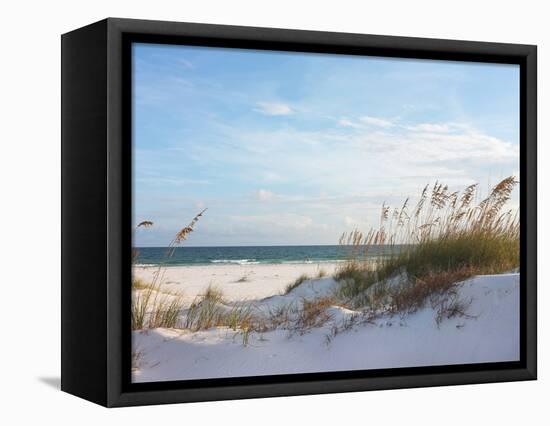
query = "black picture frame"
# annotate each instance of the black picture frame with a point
(96, 211)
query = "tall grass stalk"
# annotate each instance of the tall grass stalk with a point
(152, 309)
(445, 236)
(181, 235)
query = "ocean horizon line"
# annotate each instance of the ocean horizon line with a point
(249, 255)
(267, 245)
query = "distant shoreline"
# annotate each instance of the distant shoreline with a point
(238, 263)
(248, 255)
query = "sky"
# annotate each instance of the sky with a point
(295, 148)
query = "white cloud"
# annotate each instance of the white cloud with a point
(187, 64)
(375, 121)
(365, 159)
(350, 221)
(347, 123)
(366, 121)
(264, 195)
(305, 180)
(431, 127)
(273, 108)
(470, 147)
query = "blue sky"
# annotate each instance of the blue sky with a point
(293, 148)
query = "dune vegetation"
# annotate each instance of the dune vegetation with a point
(443, 239)
(427, 249)
(151, 307)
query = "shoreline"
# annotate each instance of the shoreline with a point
(239, 262)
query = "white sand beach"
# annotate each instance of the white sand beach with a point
(237, 281)
(488, 332)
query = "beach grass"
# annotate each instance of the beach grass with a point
(446, 238)
(296, 283)
(211, 310)
(313, 313)
(152, 308)
(321, 273)
(139, 284)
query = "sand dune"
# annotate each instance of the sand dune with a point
(489, 333)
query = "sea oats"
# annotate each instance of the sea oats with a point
(449, 237)
(145, 224)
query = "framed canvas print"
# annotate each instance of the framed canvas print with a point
(252, 212)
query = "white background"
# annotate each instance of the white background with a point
(30, 210)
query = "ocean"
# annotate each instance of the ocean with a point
(248, 255)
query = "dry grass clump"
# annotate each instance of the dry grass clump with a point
(313, 313)
(210, 310)
(321, 273)
(452, 306)
(298, 316)
(152, 309)
(296, 283)
(213, 294)
(279, 316)
(435, 287)
(443, 239)
(354, 279)
(166, 312)
(139, 284)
